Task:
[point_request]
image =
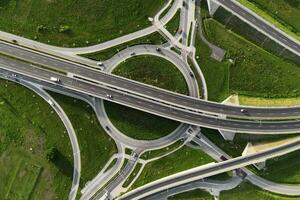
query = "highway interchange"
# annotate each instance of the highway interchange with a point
(81, 80)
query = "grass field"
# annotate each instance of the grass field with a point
(24, 181)
(165, 166)
(76, 23)
(254, 71)
(154, 71)
(192, 195)
(28, 128)
(284, 14)
(284, 169)
(96, 147)
(173, 25)
(154, 38)
(252, 192)
(137, 124)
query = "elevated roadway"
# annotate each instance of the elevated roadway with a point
(30, 72)
(174, 100)
(209, 170)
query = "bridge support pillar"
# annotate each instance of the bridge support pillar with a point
(260, 165)
(248, 150)
(228, 136)
(212, 6)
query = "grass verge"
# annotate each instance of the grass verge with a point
(132, 175)
(154, 38)
(173, 25)
(159, 152)
(166, 10)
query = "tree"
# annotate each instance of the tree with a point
(51, 154)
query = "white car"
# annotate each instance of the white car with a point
(109, 96)
(50, 102)
(100, 64)
(54, 79)
(243, 110)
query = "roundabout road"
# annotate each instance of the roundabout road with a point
(140, 50)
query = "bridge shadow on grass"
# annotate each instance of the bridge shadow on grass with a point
(66, 167)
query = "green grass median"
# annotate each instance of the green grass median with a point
(174, 24)
(183, 159)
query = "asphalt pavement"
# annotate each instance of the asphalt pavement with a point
(194, 105)
(262, 25)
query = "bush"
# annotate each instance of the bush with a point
(51, 154)
(64, 29)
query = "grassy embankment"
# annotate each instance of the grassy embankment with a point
(284, 14)
(253, 72)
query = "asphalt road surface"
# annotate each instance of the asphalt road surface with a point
(167, 97)
(215, 169)
(146, 105)
(270, 31)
